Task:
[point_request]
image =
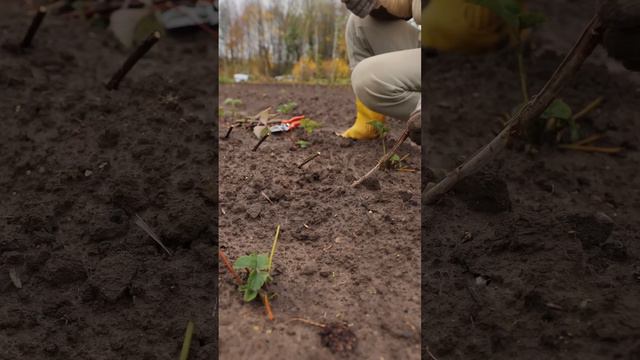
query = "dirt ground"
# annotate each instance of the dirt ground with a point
(538, 256)
(77, 163)
(346, 255)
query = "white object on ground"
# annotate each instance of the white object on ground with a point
(240, 77)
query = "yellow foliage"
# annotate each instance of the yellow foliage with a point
(305, 69)
(335, 69)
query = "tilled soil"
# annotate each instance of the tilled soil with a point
(346, 256)
(536, 257)
(77, 165)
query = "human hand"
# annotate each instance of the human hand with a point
(361, 8)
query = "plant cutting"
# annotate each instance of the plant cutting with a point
(258, 268)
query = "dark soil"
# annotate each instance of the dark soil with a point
(77, 162)
(346, 255)
(536, 257)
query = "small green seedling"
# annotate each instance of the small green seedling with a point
(258, 267)
(287, 107)
(233, 104)
(558, 115)
(395, 161)
(309, 125)
(382, 131)
(303, 144)
(517, 20)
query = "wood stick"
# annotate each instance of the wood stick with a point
(589, 39)
(226, 136)
(227, 264)
(33, 28)
(385, 158)
(132, 60)
(267, 306)
(262, 139)
(308, 159)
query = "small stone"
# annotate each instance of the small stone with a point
(254, 211)
(88, 173)
(325, 273)
(372, 184)
(309, 269)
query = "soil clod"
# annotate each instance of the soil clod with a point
(338, 338)
(592, 230)
(484, 192)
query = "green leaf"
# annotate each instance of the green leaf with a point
(380, 127)
(256, 279)
(232, 102)
(246, 262)
(250, 294)
(559, 110)
(309, 125)
(262, 262)
(507, 10)
(303, 144)
(531, 19)
(287, 108)
(394, 158)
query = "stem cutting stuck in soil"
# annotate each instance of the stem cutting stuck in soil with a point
(33, 28)
(132, 60)
(383, 160)
(588, 41)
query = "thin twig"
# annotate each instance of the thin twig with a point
(33, 28)
(385, 158)
(589, 139)
(585, 45)
(226, 136)
(262, 139)
(186, 344)
(266, 197)
(589, 148)
(433, 357)
(267, 306)
(143, 225)
(273, 248)
(588, 109)
(227, 264)
(308, 159)
(309, 322)
(132, 60)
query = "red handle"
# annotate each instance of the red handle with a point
(293, 119)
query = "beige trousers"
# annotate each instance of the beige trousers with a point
(385, 60)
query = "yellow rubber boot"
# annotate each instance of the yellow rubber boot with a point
(361, 129)
(462, 27)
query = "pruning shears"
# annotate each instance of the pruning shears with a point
(286, 125)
